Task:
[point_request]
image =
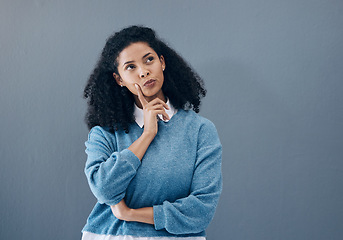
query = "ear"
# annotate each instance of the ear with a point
(163, 62)
(118, 79)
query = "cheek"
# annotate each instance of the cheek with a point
(162, 75)
(129, 81)
(159, 71)
(131, 87)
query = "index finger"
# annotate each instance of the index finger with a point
(140, 95)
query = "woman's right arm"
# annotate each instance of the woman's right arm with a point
(109, 172)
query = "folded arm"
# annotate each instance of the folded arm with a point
(193, 213)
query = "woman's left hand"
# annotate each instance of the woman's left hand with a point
(121, 211)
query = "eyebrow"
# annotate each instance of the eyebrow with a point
(142, 58)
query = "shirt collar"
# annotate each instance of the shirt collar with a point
(139, 115)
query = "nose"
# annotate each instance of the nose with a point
(144, 73)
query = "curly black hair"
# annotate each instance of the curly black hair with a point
(109, 105)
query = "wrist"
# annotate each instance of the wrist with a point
(148, 135)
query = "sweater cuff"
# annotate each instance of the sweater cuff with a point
(131, 158)
(158, 217)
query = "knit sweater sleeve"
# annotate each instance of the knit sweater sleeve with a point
(193, 213)
(108, 171)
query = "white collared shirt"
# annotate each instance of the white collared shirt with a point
(139, 114)
(94, 236)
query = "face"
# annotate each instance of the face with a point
(139, 64)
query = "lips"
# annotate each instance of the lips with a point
(149, 82)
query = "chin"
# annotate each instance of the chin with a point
(152, 92)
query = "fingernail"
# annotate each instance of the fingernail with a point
(136, 85)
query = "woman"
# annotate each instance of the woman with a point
(153, 163)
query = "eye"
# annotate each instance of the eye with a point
(130, 67)
(149, 59)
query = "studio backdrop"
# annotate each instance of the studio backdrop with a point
(273, 73)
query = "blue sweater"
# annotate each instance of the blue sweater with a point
(179, 176)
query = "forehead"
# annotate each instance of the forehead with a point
(134, 51)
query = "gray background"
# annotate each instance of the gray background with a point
(273, 70)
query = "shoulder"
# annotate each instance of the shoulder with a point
(108, 136)
(198, 126)
(102, 139)
(208, 133)
(198, 121)
(98, 131)
(205, 137)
